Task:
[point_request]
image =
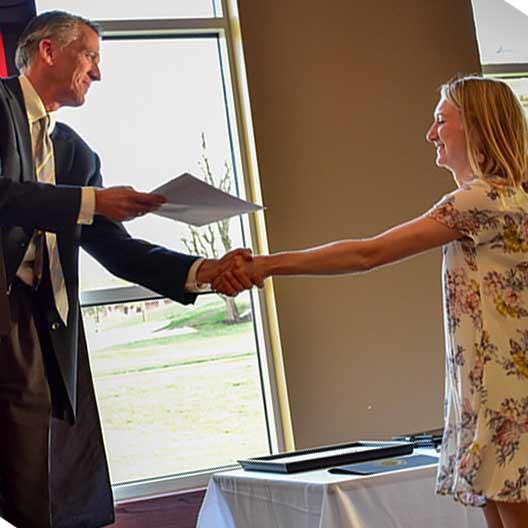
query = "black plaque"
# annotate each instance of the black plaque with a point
(326, 456)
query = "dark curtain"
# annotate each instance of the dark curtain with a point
(14, 15)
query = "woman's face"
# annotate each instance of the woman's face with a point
(448, 137)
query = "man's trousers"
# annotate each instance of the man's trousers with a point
(52, 474)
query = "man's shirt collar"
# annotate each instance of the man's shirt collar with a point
(34, 106)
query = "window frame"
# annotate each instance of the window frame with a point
(272, 376)
(505, 70)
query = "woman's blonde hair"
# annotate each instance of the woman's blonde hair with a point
(495, 127)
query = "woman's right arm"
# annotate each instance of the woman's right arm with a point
(352, 256)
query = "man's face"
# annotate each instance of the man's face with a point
(75, 67)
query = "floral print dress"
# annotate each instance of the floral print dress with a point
(485, 284)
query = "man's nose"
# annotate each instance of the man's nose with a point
(95, 73)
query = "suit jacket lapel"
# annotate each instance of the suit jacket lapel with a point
(63, 150)
(18, 109)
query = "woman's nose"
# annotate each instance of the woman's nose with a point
(431, 133)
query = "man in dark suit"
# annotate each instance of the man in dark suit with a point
(53, 470)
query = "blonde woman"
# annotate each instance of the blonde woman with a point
(480, 135)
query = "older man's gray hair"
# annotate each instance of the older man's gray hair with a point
(58, 26)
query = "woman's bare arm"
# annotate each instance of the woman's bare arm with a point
(350, 256)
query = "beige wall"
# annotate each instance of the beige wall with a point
(341, 95)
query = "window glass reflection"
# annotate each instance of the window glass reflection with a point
(178, 387)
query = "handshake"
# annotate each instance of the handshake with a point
(235, 272)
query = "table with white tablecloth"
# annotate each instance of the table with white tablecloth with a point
(319, 499)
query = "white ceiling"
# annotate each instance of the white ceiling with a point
(502, 32)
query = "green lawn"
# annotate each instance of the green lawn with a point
(182, 402)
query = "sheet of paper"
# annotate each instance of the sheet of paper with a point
(195, 202)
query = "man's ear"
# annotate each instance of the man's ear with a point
(46, 51)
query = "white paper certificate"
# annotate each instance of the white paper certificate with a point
(195, 202)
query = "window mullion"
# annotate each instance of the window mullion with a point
(156, 28)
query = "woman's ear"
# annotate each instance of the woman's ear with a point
(476, 142)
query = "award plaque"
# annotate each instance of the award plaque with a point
(326, 456)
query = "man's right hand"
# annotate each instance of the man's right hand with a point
(241, 274)
(124, 203)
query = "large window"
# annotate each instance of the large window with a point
(181, 390)
(501, 27)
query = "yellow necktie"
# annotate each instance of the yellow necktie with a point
(45, 173)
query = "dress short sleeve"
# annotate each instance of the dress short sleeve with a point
(472, 210)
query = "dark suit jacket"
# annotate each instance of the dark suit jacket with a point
(26, 205)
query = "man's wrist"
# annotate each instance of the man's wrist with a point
(206, 271)
(87, 207)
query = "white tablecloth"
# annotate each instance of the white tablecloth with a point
(319, 499)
